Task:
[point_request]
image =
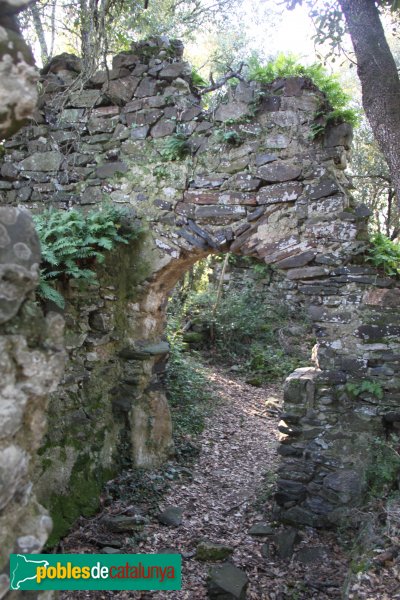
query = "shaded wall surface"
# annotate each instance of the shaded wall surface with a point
(246, 177)
(31, 345)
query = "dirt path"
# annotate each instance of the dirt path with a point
(234, 467)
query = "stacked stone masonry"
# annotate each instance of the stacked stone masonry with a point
(246, 177)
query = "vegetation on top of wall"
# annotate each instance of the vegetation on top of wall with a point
(287, 66)
(72, 242)
(384, 254)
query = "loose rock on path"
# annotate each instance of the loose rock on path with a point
(217, 507)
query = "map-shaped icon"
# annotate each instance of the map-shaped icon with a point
(25, 570)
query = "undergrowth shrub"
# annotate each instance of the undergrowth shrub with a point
(287, 66)
(189, 390)
(244, 327)
(384, 470)
(384, 254)
(72, 242)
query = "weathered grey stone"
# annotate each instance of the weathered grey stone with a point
(313, 555)
(162, 129)
(265, 158)
(124, 59)
(139, 133)
(108, 170)
(277, 140)
(85, 99)
(219, 214)
(9, 171)
(298, 260)
(209, 181)
(102, 125)
(121, 91)
(307, 272)
(347, 483)
(173, 70)
(231, 111)
(376, 333)
(92, 195)
(13, 467)
(18, 89)
(141, 351)
(42, 161)
(227, 582)
(321, 190)
(144, 117)
(191, 113)
(208, 551)
(279, 192)
(260, 529)
(171, 516)
(244, 93)
(147, 87)
(122, 523)
(244, 182)
(19, 259)
(285, 542)
(279, 171)
(339, 135)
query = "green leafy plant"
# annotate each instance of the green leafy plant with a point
(176, 147)
(188, 390)
(197, 80)
(384, 254)
(229, 137)
(72, 242)
(365, 387)
(338, 109)
(160, 171)
(243, 327)
(384, 468)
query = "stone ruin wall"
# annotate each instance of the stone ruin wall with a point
(31, 345)
(274, 194)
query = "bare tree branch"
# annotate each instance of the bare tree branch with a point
(221, 82)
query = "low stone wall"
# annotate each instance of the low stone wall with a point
(248, 178)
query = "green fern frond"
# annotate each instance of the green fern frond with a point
(47, 292)
(71, 241)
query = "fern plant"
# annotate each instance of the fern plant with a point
(366, 386)
(384, 254)
(72, 242)
(284, 66)
(197, 80)
(176, 147)
(229, 137)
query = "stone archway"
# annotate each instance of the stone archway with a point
(247, 178)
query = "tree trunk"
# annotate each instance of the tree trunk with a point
(37, 22)
(379, 79)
